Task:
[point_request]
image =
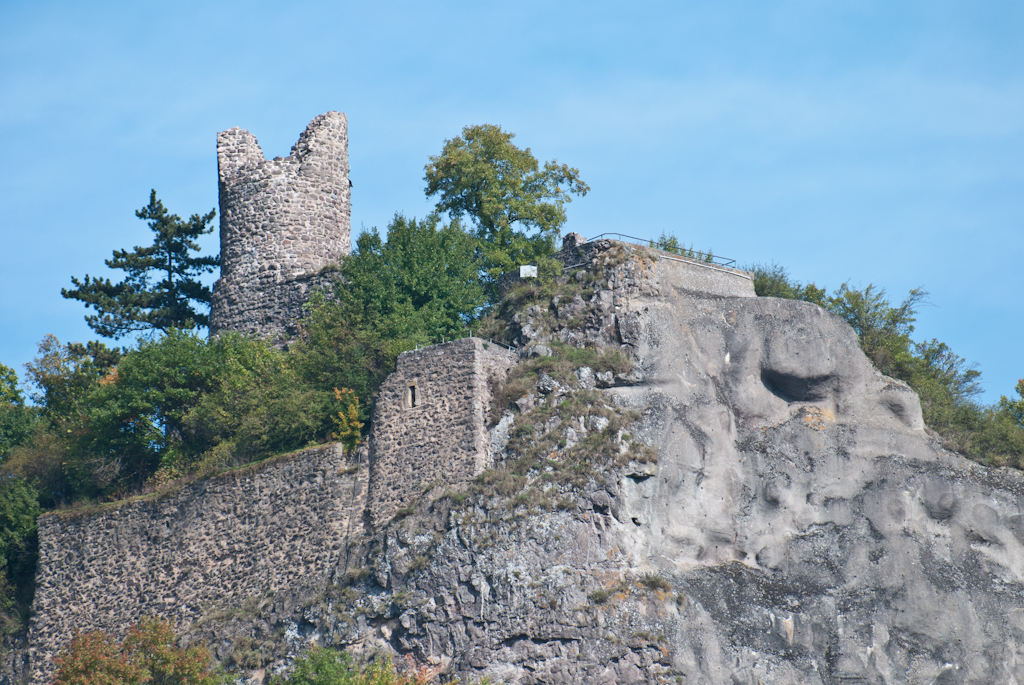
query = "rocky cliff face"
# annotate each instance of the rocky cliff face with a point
(798, 525)
(739, 499)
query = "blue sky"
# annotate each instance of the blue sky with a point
(877, 142)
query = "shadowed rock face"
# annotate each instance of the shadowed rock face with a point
(809, 529)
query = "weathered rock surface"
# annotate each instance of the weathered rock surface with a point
(798, 525)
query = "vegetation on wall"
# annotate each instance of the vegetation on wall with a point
(149, 654)
(946, 383)
(331, 667)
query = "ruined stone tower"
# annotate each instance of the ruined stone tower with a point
(281, 222)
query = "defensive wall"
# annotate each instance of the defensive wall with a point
(282, 221)
(430, 421)
(277, 530)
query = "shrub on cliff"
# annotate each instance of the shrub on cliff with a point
(147, 655)
(329, 667)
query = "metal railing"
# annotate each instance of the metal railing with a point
(695, 255)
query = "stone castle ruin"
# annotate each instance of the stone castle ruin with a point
(430, 421)
(796, 524)
(282, 223)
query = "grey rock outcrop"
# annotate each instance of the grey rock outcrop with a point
(751, 503)
(799, 525)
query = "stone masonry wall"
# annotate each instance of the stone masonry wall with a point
(437, 432)
(280, 527)
(282, 221)
(691, 275)
(267, 308)
(683, 273)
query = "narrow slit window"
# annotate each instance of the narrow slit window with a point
(411, 400)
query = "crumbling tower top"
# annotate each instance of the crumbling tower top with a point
(281, 222)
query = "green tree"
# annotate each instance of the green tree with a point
(884, 330)
(9, 393)
(133, 418)
(63, 375)
(422, 277)
(16, 420)
(63, 378)
(1015, 408)
(518, 208)
(416, 287)
(17, 424)
(162, 282)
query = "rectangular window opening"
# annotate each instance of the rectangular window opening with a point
(411, 400)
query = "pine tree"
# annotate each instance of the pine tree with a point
(162, 282)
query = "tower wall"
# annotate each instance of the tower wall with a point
(282, 222)
(430, 421)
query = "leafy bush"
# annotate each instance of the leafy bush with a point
(114, 422)
(147, 655)
(329, 667)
